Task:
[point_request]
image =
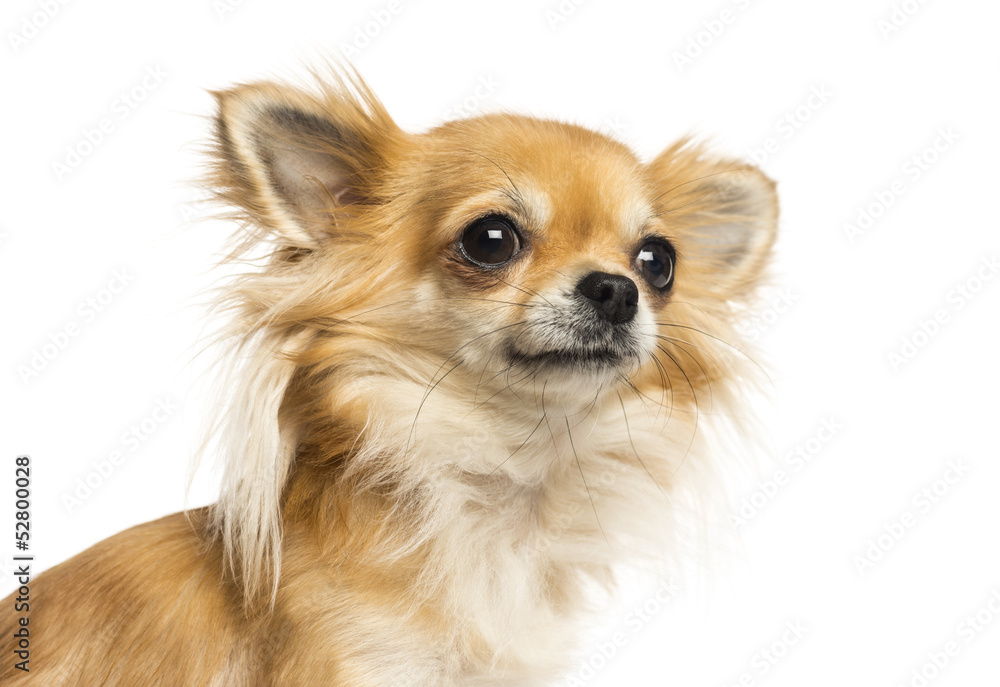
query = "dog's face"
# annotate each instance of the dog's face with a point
(552, 259)
(514, 253)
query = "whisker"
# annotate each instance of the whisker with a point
(350, 319)
(416, 416)
(545, 416)
(708, 381)
(517, 191)
(691, 181)
(331, 322)
(720, 340)
(528, 373)
(647, 400)
(681, 343)
(475, 395)
(681, 207)
(589, 409)
(519, 447)
(684, 342)
(628, 432)
(593, 505)
(472, 341)
(697, 412)
(665, 384)
(484, 300)
(507, 387)
(428, 392)
(524, 289)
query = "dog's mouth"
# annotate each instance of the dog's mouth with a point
(573, 339)
(569, 359)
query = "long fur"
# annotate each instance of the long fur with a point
(402, 504)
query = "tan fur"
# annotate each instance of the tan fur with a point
(402, 505)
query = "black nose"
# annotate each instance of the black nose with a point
(614, 297)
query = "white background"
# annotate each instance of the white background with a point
(889, 92)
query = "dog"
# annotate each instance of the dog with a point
(470, 374)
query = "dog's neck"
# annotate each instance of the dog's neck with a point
(495, 515)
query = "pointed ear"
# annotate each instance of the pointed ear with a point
(292, 162)
(725, 213)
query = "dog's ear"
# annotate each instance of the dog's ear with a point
(293, 162)
(725, 213)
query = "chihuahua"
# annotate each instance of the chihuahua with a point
(471, 373)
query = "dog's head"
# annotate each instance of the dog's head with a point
(525, 264)
(514, 248)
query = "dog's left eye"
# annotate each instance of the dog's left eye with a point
(655, 262)
(490, 241)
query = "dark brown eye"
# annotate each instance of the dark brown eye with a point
(655, 262)
(490, 241)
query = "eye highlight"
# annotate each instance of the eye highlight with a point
(490, 241)
(655, 262)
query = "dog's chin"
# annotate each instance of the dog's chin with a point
(577, 370)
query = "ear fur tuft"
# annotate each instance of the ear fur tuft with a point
(729, 210)
(291, 160)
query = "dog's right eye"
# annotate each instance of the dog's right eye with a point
(490, 241)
